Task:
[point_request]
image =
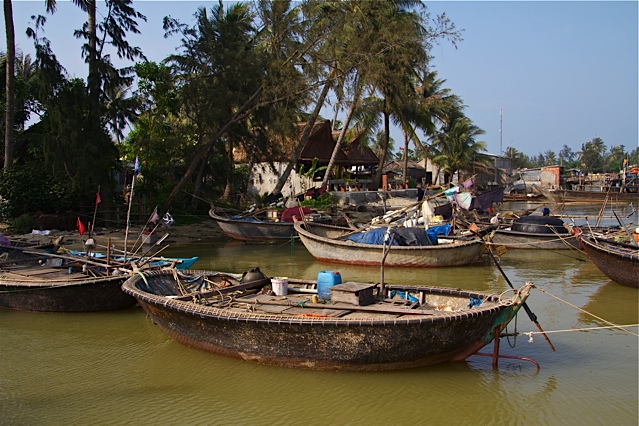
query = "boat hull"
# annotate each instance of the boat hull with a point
(324, 342)
(525, 240)
(619, 263)
(321, 243)
(245, 230)
(59, 295)
(589, 197)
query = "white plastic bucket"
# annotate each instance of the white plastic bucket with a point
(280, 285)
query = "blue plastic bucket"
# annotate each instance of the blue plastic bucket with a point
(326, 280)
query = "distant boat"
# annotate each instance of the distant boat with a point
(521, 197)
(254, 228)
(617, 260)
(354, 329)
(159, 261)
(589, 197)
(536, 232)
(328, 243)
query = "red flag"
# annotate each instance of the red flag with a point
(98, 200)
(80, 227)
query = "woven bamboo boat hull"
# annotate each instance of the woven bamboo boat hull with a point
(246, 230)
(301, 336)
(524, 240)
(619, 262)
(64, 293)
(323, 243)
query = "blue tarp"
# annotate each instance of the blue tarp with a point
(434, 231)
(374, 236)
(403, 236)
(246, 219)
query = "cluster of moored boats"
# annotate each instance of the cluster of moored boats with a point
(338, 325)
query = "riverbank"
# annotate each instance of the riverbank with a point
(201, 232)
(72, 240)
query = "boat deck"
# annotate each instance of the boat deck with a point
(306, 306)
(30, 272)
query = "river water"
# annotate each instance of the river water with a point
(119, 368)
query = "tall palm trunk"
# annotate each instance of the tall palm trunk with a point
(93, 80)
(10, 85)
(228, 187)
(405, 165)
(342, 133)
(382, 157)
(307, 132)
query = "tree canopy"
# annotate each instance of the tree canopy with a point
(244, 76)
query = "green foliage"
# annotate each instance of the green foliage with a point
(259, 198)
(456, 148)
(28, 189)
(22, 224)
(322, 202)
(69, 147)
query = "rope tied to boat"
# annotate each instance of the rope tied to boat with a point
(611, 325)
(621, 327)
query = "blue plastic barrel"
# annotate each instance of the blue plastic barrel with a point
(326, 280)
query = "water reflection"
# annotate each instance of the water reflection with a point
(612, 302)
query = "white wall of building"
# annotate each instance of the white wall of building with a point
(264, 178)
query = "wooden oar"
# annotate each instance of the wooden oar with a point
(632, 240)
(384, 254)
(531, 315)
(72, 258)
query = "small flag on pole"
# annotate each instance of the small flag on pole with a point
(154, 216)
(167, 220)
(98, 200)
(81, 227)
(136, 166)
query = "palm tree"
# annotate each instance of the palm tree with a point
(10, 85)
(566, 154)
(591, 156)
(435, 107)
(550, 158)
(457, 148)
(614, 160)
(119, 109)
(518, 159)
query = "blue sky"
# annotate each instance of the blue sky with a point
(562, 73)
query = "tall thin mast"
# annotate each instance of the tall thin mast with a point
(501, 151)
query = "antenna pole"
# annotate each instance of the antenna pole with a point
(501, 151)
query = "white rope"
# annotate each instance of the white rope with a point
(612, 325)
(623, 327)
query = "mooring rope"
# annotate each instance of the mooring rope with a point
(612, 325)
(620, 327)
(570, 254)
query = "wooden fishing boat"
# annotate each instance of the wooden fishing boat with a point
(361, 327)
(536, 232)
(251, 229)
(522, 197)
(589, 197)
(617, 260)
(49, 284)
(257, 228)
(156, 261)
(329, 243)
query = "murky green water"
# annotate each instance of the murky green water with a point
(119, 368)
